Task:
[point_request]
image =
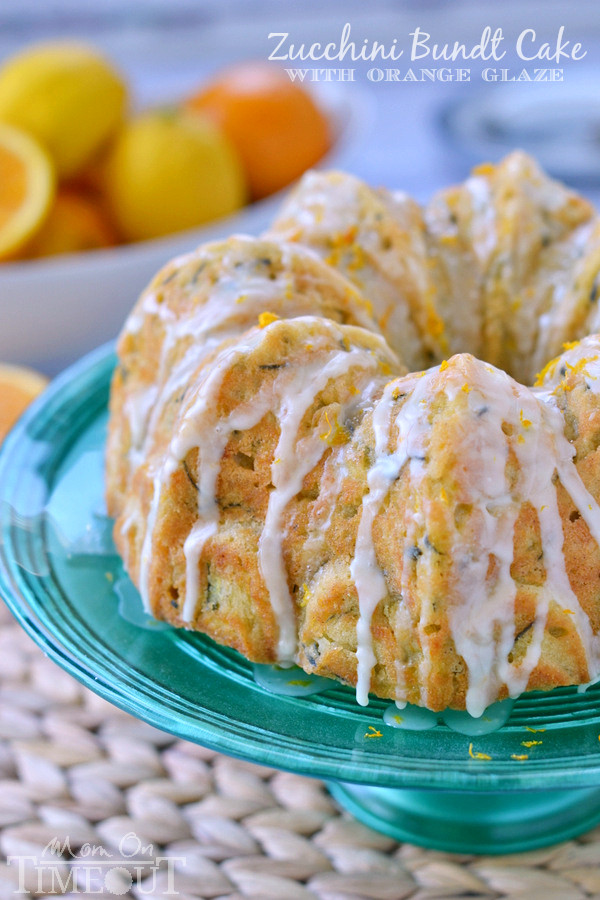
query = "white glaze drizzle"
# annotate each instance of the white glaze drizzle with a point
(226, 312)
(208, 324)
(233, 305)
(146, 551)
(327, 205)
(483, 610)
(584, 355)
(483, 226)
(288, 398)
(334, 473)
(180, 445)
(543, 451)
(293, 461)
(481, 616)
(365, 571)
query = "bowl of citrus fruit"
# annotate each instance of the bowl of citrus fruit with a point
(95, 194)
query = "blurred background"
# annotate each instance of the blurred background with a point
(417, 136)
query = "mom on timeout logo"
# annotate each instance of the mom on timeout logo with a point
(94, 869)
(424, 57)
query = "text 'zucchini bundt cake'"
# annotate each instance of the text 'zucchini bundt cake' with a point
(282, 483)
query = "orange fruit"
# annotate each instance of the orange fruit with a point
(26, 188)
(18, 387)
(274, 124)
(75, 223)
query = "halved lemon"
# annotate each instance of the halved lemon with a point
(18, 387)
(26, 188)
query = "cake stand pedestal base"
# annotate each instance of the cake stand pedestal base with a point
(467, 822)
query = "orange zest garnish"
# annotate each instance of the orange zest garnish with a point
(484, 169)
(373, 732)
(266, 318)
(546, 372)
(476, 755)
(336, 435)
(306, 595)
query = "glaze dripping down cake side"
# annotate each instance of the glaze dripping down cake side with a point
(281, 483)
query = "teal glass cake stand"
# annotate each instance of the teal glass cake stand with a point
(535, 781)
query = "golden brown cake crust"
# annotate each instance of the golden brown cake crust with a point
(192, 305)
(280, 484)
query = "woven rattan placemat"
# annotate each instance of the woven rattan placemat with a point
(144, 814)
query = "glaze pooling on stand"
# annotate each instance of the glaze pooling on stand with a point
(294, 682)
(416, 718)
(411, 718)
(289, 681)
(491, 719)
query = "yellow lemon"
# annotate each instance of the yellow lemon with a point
(18, 387)
(65, 95)
(169, 170)
(26, 189)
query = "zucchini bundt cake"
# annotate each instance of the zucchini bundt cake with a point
(281, 482)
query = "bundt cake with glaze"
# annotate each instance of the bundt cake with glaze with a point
(502, 266)
(281, 482)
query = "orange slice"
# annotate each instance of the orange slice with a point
(26, 188)
(18, 387)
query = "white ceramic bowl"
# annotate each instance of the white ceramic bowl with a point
(54, 310)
